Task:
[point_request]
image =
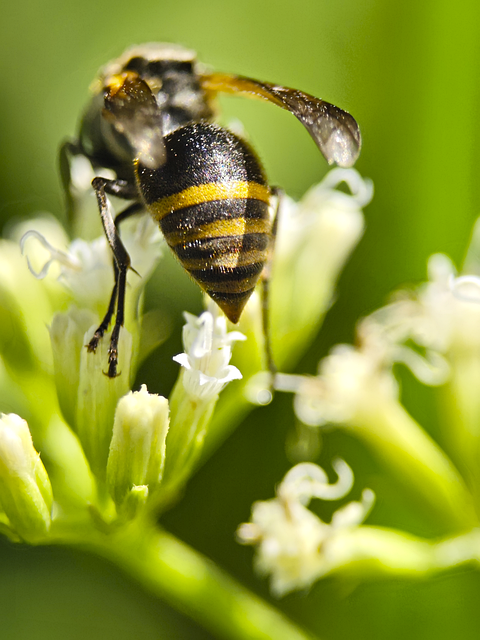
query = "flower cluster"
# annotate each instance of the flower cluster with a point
(114, 458)
(120, 440)
(431, 332)
(127, 454)
(294, 545)
(434, 331)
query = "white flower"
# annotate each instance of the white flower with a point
(314, 239)
(293, 544)
(208, 349)
(417, 330)
(450, 315)
(402, 332)
(349, 380)
(442, 316)
(331, 215)
(85, 268)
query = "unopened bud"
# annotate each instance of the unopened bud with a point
(137, 449)
(25, 490)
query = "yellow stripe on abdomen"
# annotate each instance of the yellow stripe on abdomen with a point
(208, 193)
(226, 260)
(220, 229)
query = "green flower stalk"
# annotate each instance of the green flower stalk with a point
(205, 372)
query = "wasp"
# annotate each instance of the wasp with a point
(151, 121)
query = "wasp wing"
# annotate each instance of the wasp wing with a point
(335, 131)
(132, 110)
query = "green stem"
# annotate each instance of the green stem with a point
(189, 582)
(189, 419)
(460, 416)
(417, 460)
(378, 551)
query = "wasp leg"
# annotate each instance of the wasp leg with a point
(134, 208)
(121, 263)
(266, 275)
(103, 326)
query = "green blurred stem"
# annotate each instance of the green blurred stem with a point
(189, 419)
(188, 581)
(460, 417)
(196, 587)
(416, 459)
(377, 551)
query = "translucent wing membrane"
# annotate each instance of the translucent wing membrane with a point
(335, 131)
(131, 108)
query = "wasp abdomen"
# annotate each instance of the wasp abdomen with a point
(212, 200)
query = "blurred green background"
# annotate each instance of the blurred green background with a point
(409, 73)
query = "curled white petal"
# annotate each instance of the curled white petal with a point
(56, 255)
(86, 267)
(319, 232)
(354, 513)
(465, 288)
(307, 480)
(361, 188)
(433, 370)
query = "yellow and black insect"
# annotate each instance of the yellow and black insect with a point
(151, 121)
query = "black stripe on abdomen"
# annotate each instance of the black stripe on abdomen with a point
(190, 218)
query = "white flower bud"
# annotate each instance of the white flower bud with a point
(25, 490)
(98, 395)
(137, 449)
(67, 335)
